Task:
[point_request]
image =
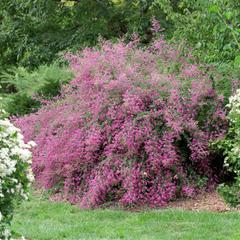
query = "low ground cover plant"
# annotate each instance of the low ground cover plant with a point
(15, 172)
(132, 127)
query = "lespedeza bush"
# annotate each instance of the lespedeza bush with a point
(132, 127)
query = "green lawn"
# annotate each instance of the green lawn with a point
(43, 220)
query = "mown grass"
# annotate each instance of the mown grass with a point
(40, 219)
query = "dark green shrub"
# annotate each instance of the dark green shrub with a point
(25, 86)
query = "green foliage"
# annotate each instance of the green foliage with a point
(24, 86)
(225, 78)
(34, 32)
(231, 193)
(136, 16)
(211, 28)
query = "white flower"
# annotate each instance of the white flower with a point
(32, 144)
(24, 154)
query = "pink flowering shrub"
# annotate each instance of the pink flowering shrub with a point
(132, 127)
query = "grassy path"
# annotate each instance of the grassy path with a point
(43, 220)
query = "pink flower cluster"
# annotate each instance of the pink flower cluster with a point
(132, 127)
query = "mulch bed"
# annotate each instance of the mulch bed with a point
(203, 202)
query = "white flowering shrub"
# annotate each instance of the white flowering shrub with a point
(231, 149)
(15, 172)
